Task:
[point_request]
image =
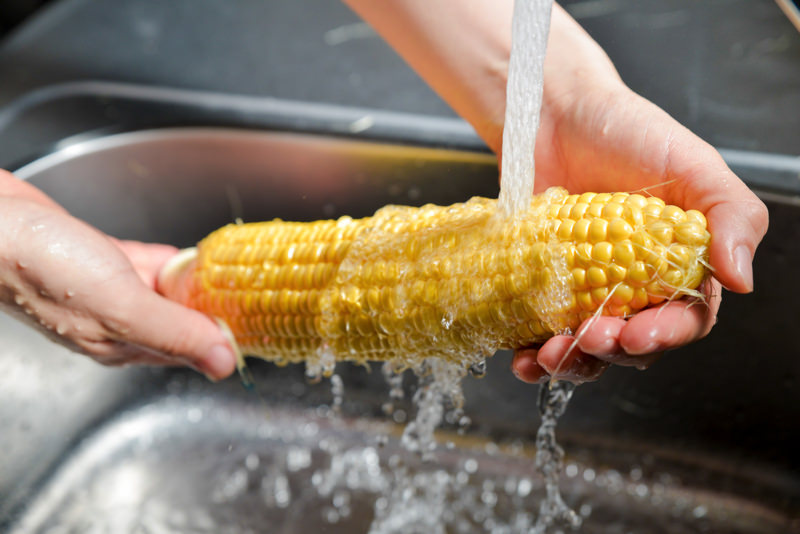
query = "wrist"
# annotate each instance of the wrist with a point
(575, 64)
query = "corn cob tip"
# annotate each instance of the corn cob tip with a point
(172, 281)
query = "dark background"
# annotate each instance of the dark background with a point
(728, 69)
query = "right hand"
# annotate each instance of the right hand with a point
(94, 294)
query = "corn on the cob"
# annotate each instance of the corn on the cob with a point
(441, 281)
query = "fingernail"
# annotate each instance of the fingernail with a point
(743, 261)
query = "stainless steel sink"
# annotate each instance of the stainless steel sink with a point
(705, 441)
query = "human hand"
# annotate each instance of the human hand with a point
(94, 294)
(597, 135)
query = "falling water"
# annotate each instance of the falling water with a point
(553, 400)
(530, 28)
(524, 88)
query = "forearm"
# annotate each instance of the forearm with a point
(461, 49)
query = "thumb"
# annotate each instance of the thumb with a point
(182, 334)
(737, 229)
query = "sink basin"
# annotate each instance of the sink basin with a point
(705, 441)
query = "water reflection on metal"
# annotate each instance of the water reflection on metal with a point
(192, 464)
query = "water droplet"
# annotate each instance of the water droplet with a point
(524, 487)
(331, 515)
(61, 329)
(589, 475)
(69, 293)
(571, 470)
(313, 379)
(700, 511)
(337, 391)
(471, 465)
(478, 369)
(22, 265)
(19, 300)
(252, 461)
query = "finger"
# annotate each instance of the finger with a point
(565, 361)
(640, 361)
(152, 360)
(176, 332)
(525, 367)
(599, 336)
(147, 258)
(140, 358)
(671, 325)
(737, 229)
(112, 353)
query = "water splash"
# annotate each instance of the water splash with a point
(439, 388)
(553, 401)
(337, 392)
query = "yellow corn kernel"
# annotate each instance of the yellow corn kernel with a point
(599, 295)
(585, 300)
(691, 233)
(603, 252)
(652, 211)
(636, 200)
(634, 215)
(596, 277)
(448, 281)
(612, 210)
(565, 229)
(639, 274)
(616, 273)
(580, 232)
(673, 214)
(661, 231)
(619, 230)
(583, 253)
(624, 253)
(598, 230)
(640, 298)
(579, 278)
(696, 217)
(623, 294)
(578, 210)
